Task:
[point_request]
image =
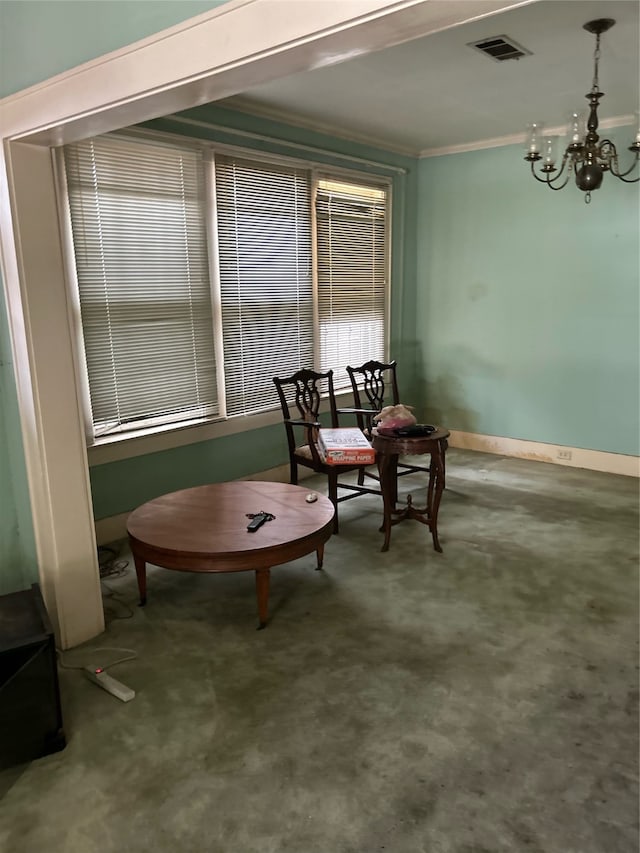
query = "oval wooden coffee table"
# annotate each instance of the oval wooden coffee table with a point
(204, 529)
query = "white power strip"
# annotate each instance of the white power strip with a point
(98, 675)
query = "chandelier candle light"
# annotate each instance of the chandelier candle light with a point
(586, 155)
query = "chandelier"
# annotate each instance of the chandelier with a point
(586, 156)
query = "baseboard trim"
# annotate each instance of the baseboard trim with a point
(573, 457)
(114, 527)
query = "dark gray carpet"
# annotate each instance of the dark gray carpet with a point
(483, 700)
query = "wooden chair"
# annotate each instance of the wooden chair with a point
(375, 385)
(300, 397)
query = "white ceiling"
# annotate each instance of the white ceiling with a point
(436, 92)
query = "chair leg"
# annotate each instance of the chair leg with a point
(293, 479)
(333, 497)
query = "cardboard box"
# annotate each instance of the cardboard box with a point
(345, 446)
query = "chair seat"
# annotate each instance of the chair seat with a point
(304, 452)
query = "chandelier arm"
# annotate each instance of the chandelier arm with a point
(621, 175)
(563, 166)
(551, 181)
(626, 180)
(561, 186)
(542, 180)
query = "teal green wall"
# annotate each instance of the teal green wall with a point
(41, 38)
(121, 486)
(18, 563)
(527, 302)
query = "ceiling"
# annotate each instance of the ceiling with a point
(437, 92)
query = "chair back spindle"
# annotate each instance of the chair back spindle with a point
(374, 385)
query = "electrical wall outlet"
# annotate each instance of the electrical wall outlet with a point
(565, 455)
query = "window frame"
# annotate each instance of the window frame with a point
(161, 436)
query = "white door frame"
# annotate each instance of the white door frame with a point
(215, 55)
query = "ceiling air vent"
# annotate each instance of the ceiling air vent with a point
(500, 48)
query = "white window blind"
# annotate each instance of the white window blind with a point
(139, 228)
(264, 247)
(351, 225)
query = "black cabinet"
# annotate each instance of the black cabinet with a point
(30, 711)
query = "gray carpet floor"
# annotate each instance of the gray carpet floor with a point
(483, 700)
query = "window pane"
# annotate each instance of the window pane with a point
(351, 225)
(138, 220)
(264, 246)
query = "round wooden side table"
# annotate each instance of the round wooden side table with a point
(388, 449)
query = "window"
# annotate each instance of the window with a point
(352, 274)
(202, 274)
(266, 293)
(138, 222)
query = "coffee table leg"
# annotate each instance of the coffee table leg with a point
(320, 555)
(262, 592)
(141, 572)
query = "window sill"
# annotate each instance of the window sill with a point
(113, 448)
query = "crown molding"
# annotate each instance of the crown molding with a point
(250, 106)
(516, 138)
